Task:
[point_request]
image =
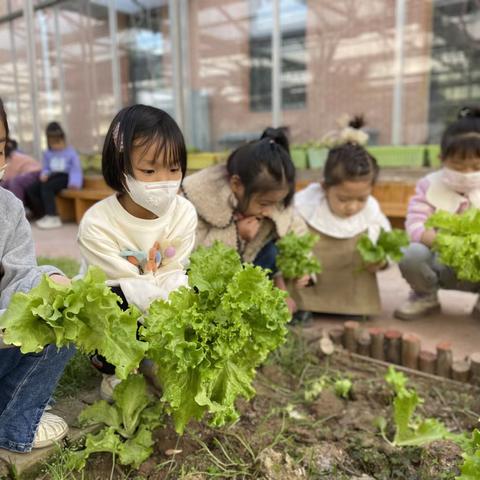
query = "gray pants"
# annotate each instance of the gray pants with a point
(425, 274)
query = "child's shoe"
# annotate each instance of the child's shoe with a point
(49, 222)
(418, 305)
(109, 382)
(51, 430)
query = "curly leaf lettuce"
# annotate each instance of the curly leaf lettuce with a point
(295, 257)
(208, 343)
(388, 247)
(458, 242)
(409, 430)
(85, 313)
(129, 424)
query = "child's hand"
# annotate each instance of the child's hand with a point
(60, 279)
(375, 267)
(428, 237)
(292, 306)
(43, 177)
(248, 228)
(303, 281)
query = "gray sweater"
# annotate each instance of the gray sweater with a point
(18, 265)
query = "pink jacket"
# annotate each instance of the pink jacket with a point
(431, 195)
(19, 164)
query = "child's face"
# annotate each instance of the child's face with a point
(150, 168)
(56, 143)
(3, 141)
(467, 165)
(261, 204)
(349, 197)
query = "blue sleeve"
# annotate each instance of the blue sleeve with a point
(75, 174)
(46, 163)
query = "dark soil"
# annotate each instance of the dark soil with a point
(282, 436)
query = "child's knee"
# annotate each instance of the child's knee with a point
(415, 255)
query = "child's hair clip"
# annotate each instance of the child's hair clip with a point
(117, 138)
(464, 112)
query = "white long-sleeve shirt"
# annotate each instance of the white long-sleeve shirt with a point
(108, 231)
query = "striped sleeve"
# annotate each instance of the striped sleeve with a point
(419, 210)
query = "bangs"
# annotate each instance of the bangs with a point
(463, 147)
(164, 146)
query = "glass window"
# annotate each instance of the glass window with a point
(455, 61)
(293, 54)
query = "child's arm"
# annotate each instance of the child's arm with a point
(45, 173)
(75, 174)
(19, 265)
(419, 210)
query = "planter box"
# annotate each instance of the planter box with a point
(197, 161)
(299, 157)
(317, 157)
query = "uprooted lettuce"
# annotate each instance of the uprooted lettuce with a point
(295, 257)
(458, 242)
(85, 313)
(207, 340)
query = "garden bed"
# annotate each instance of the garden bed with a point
(281, 435)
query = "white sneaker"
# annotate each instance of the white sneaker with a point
(51, 429)
(417, 306)
(109, 382)
(48, 222)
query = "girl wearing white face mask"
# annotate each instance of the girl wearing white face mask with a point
(143, 234)
(454, 188)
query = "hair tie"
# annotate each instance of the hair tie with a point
(272, 141)
(117, 138)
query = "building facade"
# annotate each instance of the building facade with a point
(406, 65)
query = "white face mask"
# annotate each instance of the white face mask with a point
(156, 197)
(461, 182)
(2, 171)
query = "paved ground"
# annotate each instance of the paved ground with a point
(454, 324)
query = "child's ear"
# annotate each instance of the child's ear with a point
(236, 184)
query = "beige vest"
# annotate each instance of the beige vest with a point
(343, 287)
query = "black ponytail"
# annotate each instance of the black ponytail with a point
(461, 139)
(278, 135)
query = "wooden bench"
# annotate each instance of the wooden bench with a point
(393, 196)
(72, 204)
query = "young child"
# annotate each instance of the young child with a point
(454, 188)
(21, 170)
(246, 203)
(340, 210)
(141, 236)
(61, 169)
(26, 381)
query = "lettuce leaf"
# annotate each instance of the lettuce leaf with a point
(85, 313)
(295, 257)
(470, 469)
(409, 430)
(458, 242)
(129, 424)
(388, 247)
(208, 340)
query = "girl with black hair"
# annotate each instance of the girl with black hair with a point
(27, 382)
(340, 209)
(454, 188)
(246, 203)
(60, 169)
(143, 234)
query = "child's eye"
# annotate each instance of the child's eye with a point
(174, 170)
(148, 172)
